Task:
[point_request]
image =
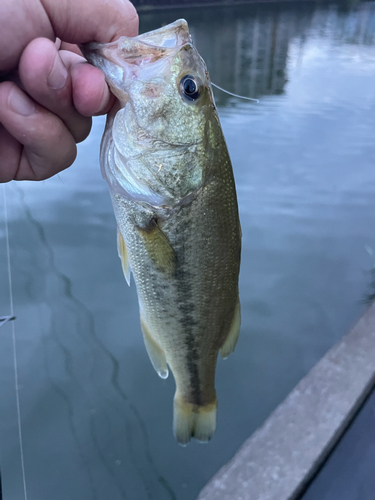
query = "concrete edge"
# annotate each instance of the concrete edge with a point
(282, 456)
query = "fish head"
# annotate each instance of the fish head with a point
(161, 133)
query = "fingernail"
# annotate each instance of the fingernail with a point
(57, 78)
(20, 103)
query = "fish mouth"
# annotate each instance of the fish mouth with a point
(120, 59)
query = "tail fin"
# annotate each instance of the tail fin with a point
(193, 421)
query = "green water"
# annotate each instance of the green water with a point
(96, 419)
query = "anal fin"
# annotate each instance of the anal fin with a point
(231, 340)
(123, 254)
(155, 352)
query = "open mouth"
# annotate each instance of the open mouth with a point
(116, 58)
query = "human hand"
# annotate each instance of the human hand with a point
(48, 93)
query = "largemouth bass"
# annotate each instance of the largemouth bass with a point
(164, 157)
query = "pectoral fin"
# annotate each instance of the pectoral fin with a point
(123, 254)
(155, 352)
(158, 247)
(231, 341)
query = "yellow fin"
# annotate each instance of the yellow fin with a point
(155, 352)
(123, 254)
(158, 247)
(231, 340)
(190, 420)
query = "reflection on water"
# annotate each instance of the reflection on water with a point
(96, 419)
(248, 54)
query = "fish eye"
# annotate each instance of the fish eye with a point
(190, 88)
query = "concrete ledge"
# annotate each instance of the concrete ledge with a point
(280, 458)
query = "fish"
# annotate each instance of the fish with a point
(165, 159)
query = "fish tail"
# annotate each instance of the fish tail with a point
(193, 421)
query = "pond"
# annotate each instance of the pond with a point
(96, 420)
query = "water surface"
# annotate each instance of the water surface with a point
(96, 419)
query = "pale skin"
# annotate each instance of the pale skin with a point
(48, 93)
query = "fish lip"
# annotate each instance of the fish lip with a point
(142, 48)
(125, 50)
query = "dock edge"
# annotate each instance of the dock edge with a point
(284, 454)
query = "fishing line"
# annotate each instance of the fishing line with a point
(235, 95)
(15, 364)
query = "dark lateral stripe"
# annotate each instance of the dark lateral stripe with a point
(187, 308)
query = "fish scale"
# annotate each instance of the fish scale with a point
(175, 203)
